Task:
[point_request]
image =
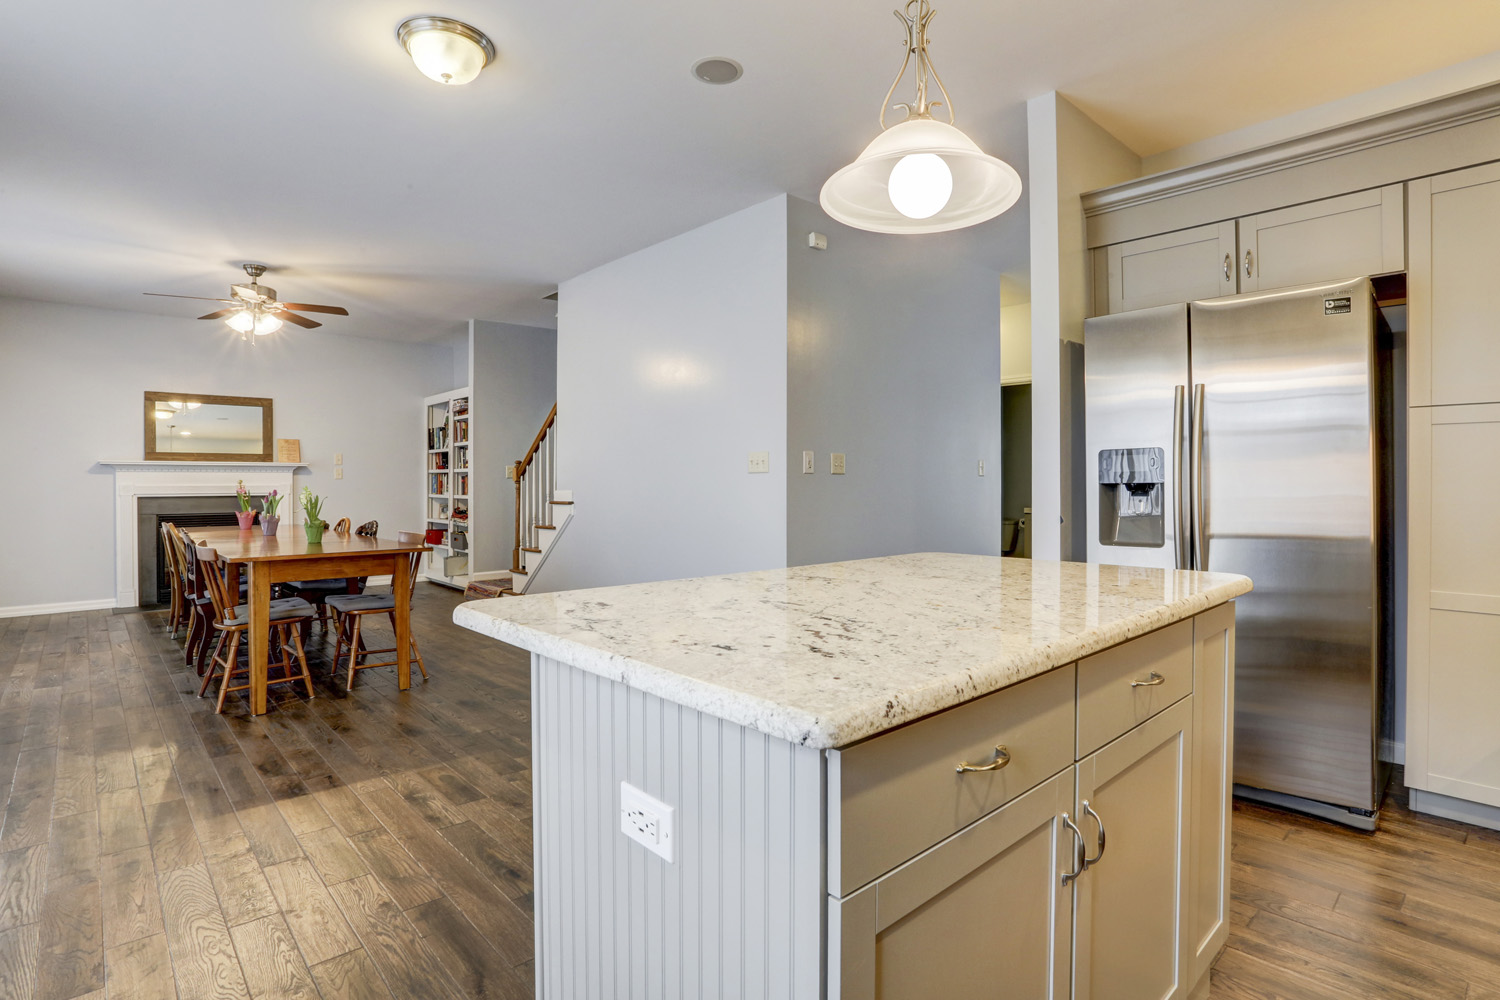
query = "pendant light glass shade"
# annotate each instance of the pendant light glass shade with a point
(860, 194)
(920, 175)
(241, 322)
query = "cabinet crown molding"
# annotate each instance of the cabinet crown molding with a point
(1376, 130)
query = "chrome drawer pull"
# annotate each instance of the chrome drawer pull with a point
(1150, 682)
(1002, 757)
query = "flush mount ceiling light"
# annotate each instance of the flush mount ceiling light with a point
(920, 175)
(446, 50)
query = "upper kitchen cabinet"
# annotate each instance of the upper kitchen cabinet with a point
(1176, 267)
(1453, 297)
(1327, 240)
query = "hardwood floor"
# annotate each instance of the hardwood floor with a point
(379, 844)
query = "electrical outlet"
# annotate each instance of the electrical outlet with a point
(760, 461)
(338, 472)
(646, 820)
(981, 466)
(836, 463)
(808, 465)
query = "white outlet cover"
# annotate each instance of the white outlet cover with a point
(836, 463)
(338, 458)
(647, 820)
(338, 472)
(760, 461)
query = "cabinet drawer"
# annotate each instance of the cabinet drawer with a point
(896, 794)
(1119, 688)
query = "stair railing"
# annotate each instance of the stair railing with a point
(536, 484)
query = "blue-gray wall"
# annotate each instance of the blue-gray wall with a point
(893, 358)
(514, 383)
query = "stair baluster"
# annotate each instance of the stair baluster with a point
(536, 486)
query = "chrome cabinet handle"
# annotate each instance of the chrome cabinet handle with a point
(1078, 852)
(1228, 266)
(1002, 757)
(1089, 862)
(1248, 260)
(1151, 681)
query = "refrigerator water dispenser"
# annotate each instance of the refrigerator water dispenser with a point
(1131, 503)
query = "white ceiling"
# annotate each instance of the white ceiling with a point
(164, 142)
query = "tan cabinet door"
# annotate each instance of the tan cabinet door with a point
(1207, 925)
(1328, 240)
(982, 916)
(1130, 903)
(1453, 619)
(1191, 264)
(1453, 300)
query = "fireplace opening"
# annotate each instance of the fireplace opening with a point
(185, 512)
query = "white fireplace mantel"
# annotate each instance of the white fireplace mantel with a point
(135, 478)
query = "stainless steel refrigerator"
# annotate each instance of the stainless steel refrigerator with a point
(1242, 435)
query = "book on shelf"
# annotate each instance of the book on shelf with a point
(437, 483)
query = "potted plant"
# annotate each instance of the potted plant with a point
(312, 510)
(268, 517)
(246, 514)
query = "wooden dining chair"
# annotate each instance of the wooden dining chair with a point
(351, 610)
(199, 605)
(232, 621)
(176, 611)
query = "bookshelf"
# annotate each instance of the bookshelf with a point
(448, 476)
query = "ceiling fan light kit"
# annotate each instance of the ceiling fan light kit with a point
(445, 50)
(253, 308)
(920, 175)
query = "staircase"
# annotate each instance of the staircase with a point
(542, 510)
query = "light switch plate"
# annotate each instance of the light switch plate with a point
(338, 472)
(809, 466)
(760, 461)
(981, 466)
(338, 458)
(836, 463)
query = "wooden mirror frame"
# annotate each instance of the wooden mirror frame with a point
(268, 441)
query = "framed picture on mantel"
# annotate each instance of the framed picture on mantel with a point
(189, 427)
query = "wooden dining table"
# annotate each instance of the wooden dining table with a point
(288, 555)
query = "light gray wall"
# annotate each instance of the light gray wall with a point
(893, 359)
(71, 384)
(514, 383)
(671, 369)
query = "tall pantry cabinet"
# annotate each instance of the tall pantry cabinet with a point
(1453, 668)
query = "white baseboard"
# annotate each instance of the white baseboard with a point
(1393, 752)
(1446, 806)
(27, 610)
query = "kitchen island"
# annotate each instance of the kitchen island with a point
(916, 776)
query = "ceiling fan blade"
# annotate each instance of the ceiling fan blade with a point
(292, 317)
(200, 298)
(220, 314)
(304, 307)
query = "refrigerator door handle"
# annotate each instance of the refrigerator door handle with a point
(1179, 507)
(1200, 501)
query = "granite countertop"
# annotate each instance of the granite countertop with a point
(826, 655)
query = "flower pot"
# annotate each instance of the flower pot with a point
(314, 531)
(245, 518)
(269, 523)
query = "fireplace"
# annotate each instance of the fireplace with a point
(166, 489)
(185, 512)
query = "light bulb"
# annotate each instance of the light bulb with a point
(186, 434)
(266, 324)
(241, 322)
(920, 185)
(163, 414)
(446, 56)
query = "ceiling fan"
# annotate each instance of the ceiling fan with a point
(253, 308)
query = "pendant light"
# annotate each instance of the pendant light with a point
(920, 175)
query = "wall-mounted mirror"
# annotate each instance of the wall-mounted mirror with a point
(185, 427)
